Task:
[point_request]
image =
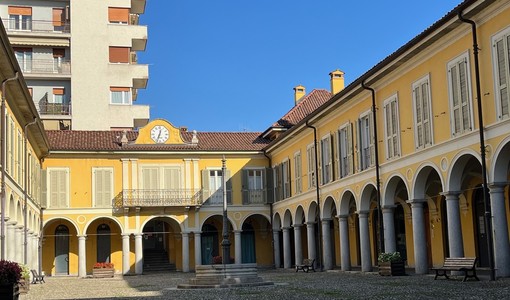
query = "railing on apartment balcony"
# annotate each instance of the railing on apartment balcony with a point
(45, 66)
(254, 196)
(28, 25)
(157, 198)
(61, 109)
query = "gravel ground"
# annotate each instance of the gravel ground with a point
(287, 285)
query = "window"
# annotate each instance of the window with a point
(345, 149)
(58, 95)
(58, 19)
(366, 152)
(422, 113)
(58, 59)
(212, 182)
(253, 186)
(310, 158)
(119, 54)
(501, 58)
(120, 95)
(20, 18)
(392, 129)
(326, 160)
(286, 179)
(102, 187)
(459, 83)
(118, 15)
(161, 178)
(297, 173)
(24, 57)
(58, 190)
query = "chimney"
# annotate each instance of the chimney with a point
(124, 139)
(299, 92)
(337, 81)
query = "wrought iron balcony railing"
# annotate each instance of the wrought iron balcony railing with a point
(157, 198)
(254, 196)
(45, 66)
(60, 109)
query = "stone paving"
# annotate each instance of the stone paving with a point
(288, 285)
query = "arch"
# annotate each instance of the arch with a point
(254, 214)
(54, 219)
(345, 202)
(232, 222)
(328, 207)
(421, 177)
(500, 162)
(256, 238)
(366, 193)
(277, 222)
(300, 215)
(312, 212)
(103, 217)
(390, 189)
(287, 218)
(457, 169)
(12, 209)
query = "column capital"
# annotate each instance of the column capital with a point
(342, 217)
(138, 235)
(388, 207)
(11, 223)
(285, 228)
(19, 226)
(326, 220)
(197, 232)
(495, 186)
(310, 223)
(362, 213)
(297, 225)
(238, 231)
(185, 234)
(126, 234)
(82, 236)
(416, 201)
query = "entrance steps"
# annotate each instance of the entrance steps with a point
(156, 261)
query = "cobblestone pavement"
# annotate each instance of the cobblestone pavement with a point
(288, 285)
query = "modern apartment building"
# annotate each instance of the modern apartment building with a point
(79, 59)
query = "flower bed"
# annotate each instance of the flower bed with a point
(103, 270)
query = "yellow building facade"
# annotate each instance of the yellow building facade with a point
(390, 162)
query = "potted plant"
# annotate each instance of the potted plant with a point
(10, 274)
(103, 270)
(24, 282)
(391, 264)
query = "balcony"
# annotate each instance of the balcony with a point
(134, 35)
(45, 67)
(157, 198)
(138, 72)
(60, 109)
(254, 196)
(36, 26)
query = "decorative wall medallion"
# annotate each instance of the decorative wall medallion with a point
(444, 164)
(81, 219)
(409, 174)
(237, 216)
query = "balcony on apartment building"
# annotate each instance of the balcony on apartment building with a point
(27, 26)
(157, 198)
(45, 68)
(129, 33)
(47, 108)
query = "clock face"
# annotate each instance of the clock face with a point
(159, 134)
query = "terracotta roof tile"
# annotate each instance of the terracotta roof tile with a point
(307, 105)
(74, 140)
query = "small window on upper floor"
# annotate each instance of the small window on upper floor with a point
(392, 128)
(422, 113)
(118, 15)
(501, 63)
(20, 18)
(119, 54)
(120, 95)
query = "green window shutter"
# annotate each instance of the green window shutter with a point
(269, 185)
(358, 144)
(371, 138)
(350, 148)
(245, 187)
(335, 155)
(229, 187)
(502, 62)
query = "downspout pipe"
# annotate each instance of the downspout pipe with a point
(486, 200)
(377, 175)
(319, 223)
(271, 216)
(2, 163)
(25, 194)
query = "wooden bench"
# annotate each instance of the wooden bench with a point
(37, 278)
(464, 264)
(307, 264)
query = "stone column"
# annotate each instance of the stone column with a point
(139, 253)
(455, 240)
(298, 252)
(198, 248)
(326, 244)
(237, 241)
(10, 240)
(345, 251)
(364, 236)
(390, 244)
(185, 252)
(82, 256)
(28, 259)
(287, 260)
(19, 243)
(276, 248)
(310, 237)
(500, 230)
(419, 236)
(35, 251)
(125, 254)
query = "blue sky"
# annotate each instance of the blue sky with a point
(231, 65)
